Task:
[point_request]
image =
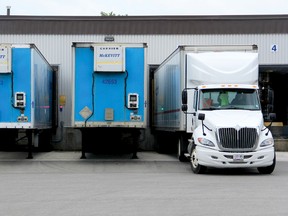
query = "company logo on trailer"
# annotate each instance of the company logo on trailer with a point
(109, 55)
(108, 52)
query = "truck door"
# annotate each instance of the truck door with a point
(192, 108)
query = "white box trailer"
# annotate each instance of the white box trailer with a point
(195, 93)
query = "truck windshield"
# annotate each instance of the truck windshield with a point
(212, 99)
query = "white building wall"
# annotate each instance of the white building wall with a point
(58, 50)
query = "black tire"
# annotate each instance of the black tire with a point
(268, 169)
(196, 168)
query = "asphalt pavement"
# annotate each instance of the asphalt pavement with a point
(76, 155)
(60, 183)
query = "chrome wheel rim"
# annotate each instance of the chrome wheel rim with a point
(194, 159)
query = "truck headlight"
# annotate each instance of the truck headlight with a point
(205, 142)
(267, 142)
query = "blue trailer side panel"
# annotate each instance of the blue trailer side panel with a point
(83, 80)
(112, 87)
(5, 94)
(19, 80)
(99, 91)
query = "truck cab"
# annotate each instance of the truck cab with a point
(228, 128)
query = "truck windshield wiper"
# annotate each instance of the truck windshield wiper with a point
(234, 107)
(210, 108)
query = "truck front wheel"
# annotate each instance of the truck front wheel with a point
(268, 169)
(195, 166)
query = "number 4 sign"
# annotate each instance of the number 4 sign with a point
(274, 48)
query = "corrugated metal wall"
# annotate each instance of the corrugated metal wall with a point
(57, 50)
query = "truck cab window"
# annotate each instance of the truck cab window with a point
(211, 99)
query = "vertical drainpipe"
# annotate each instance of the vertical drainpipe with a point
(8, 10)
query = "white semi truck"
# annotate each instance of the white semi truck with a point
(207, 96)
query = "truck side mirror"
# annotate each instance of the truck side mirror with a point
(184, 107)
(201, 116)
(184, 97)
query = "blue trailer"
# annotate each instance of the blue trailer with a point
(109, 93)
(27, 92)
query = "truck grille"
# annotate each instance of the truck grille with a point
(231, 139)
